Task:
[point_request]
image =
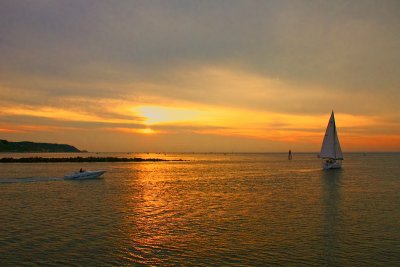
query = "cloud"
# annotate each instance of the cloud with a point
(196, 86)
(341, 43)
(240, 68)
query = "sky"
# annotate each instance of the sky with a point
(200, 76)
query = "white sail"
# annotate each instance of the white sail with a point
(331, 146)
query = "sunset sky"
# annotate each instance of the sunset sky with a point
(218, 76)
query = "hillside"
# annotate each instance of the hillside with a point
(6, 146)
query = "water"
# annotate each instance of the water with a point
(213, 210)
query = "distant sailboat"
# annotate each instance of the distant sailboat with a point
(290, 155)
(331, 153)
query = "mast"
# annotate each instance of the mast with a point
(337, 149)
(334, 133)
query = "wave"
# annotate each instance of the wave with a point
(29, 180)
(301, 170)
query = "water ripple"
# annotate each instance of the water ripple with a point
(218, 211)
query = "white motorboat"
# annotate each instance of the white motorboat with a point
(331, 153)
(82, 175)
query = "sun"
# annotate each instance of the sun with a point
(160, 114)
(146, 131)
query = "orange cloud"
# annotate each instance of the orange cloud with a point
(199, 119)
(35, 128)
(389, 143)
(7, 130)
(60, 114)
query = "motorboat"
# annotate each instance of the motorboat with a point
(82, 175)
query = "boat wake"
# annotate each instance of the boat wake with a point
(302, 170)
(29, 180)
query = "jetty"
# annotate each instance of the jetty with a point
(81, 159)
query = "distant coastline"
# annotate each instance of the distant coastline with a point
(32, 147)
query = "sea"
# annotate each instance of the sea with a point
(211, 209)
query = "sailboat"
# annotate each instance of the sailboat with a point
(331, 153)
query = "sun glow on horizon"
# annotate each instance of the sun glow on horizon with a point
(147, 131)
(252, 124)
(162, 114)
(144, 131)
(169, 122)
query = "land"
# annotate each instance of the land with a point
(25, 146)
(79, 159)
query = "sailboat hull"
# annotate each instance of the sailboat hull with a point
(333, 165)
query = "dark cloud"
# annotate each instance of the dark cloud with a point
(342, 43)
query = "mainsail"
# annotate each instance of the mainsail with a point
(331, 146)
